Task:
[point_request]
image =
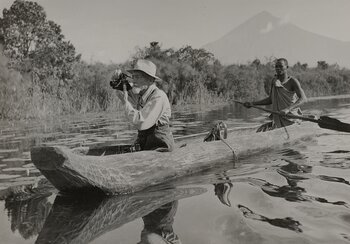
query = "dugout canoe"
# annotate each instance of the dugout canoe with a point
(69, 171)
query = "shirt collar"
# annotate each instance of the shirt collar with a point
(148, 92)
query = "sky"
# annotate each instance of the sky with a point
(110, 30)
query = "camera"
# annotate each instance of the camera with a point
(119, 80)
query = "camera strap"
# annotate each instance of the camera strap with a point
(140, 103)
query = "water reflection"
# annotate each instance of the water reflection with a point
(292, 172)
(83, 219)
(299, 184)
(334, 179)
(222, 187)
(295, 171)
(287, 222)
(158, 225)
(222, 191)
(28, 216)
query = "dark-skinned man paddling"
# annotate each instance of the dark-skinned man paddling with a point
(147, 107)
(286, 95)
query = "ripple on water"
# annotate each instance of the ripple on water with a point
(346, 218)
(293, 196)
(14, 159)
(16, 169)
(8, 177)
(30, 165)
(2, 151)
(6, 137)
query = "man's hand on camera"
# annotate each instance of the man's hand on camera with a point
(116, 74)
(113, 85)
(114, 79)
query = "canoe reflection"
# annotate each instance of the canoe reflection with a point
(83, 219)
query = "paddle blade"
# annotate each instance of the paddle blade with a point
(333, 124)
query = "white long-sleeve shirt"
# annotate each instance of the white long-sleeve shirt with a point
(152, 108)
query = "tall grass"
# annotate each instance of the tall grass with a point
(195, 92)
(89, 91)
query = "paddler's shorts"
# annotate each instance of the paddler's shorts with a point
(158, 136)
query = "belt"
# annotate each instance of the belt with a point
(151, 129)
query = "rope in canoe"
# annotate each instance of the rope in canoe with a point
(215, 135)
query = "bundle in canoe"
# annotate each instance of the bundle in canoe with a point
(131, 172)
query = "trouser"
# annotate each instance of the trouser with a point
(158, 136)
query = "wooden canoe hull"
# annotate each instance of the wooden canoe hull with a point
(131, 172)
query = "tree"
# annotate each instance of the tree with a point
(256, 63)
(199, 59)
(322, 65)
(300, 66)
(153, 52)
(36, 46)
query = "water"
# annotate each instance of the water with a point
(296, 195)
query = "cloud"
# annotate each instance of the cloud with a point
(269, 27)
(284, 20)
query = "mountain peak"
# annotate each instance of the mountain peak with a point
(264, 16)
(261, 22)
(264, 35)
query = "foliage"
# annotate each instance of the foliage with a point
(91, 85)
(322, 65)
(180, 69)
(11, 90)
(41, 74)
(36, 46)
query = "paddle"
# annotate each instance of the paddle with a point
(324, 122)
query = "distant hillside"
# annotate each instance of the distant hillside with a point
(264, 35)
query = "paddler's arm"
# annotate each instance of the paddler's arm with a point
(296, 87)
(265, 101)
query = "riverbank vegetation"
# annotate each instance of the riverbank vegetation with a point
(41, 74)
